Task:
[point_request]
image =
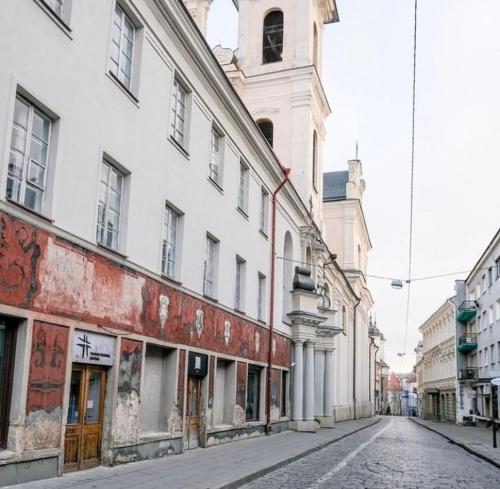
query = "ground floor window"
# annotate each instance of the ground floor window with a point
(158, 390)
(284, 385)
(7, 347)
(253, 393)
(225, 392)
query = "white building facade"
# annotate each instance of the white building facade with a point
(479, 335)
(153, 304)
(438, 371)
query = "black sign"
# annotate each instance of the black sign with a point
(198, 364)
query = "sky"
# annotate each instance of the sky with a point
(367, 63)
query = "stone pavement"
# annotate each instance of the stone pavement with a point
(474, 439)
(224, 466)
(393, 454)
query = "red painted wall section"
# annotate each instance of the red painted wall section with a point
(45, 386)
(47, 367)
(45, 273)
(20, 250)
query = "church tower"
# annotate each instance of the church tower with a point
(277, 72)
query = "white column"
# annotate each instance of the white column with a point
(328, 394)
(298, 380)
(309, 382)
(319, 381)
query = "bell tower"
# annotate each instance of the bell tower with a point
(277, 72)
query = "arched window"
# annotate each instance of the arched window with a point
(287, 276)
(272, 46)
(267, 129)
(315, 161)
(315, 46)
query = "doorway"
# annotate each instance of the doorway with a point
(193, 411)
(82, 444)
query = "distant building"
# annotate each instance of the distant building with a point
(439, 369)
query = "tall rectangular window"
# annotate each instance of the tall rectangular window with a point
(7, 346)
(497, 313)
(122, 47)
(109, 206)
(210, 267)
(490, 277)
(261, 297)
(491, 315)
(56, 6)
(239, 287)
(497, 267)
(169, 242)
(28, 155)
(215, 164)
(243, 188)
(179, 112)
(264, 210)
(252, 412)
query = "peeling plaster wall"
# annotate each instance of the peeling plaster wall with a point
(275, 394)
(45, 387)
(241, 394)
(126, 425)
(42, 272)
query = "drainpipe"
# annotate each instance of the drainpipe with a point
(271, 300)
(372, 342)
(354, 360)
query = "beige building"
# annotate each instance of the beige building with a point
(436, 372)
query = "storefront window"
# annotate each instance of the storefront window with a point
(253, 393)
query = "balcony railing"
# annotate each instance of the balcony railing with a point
(467, 342)
(469, 373)
(466, 311)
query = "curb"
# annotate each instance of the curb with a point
(460, 444)
(266, 470)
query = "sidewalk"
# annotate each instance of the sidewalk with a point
(476, 440)
(222, 467)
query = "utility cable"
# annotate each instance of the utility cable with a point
(412, 178)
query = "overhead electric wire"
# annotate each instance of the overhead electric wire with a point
(412, 178)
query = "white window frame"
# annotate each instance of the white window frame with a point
(239, 284)
(216, 161)
(61, 9)
(101, 227)
(179, 112)
(261, 297)
(171, 239)
(243, 187)
(27, 163)
(210, 266)
(264, 210)
(116, 66)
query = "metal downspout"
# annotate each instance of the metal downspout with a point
(271, 301)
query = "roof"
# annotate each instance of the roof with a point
(491, 244)
(335, 185)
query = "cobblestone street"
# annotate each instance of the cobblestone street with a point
(395, 453)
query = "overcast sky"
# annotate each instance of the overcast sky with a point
(367, 69)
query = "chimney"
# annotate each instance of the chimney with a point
(199, 11)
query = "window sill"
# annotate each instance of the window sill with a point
(111, 250)
(242, 212)
(262, 321)
(31, 211)
(264, 234)
(123, 88)
(216, 185)
(65, 28)
(171, 279)
(240, 312)
(210, 298)
(179, 147)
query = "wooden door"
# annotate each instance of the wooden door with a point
(193, 411)
(82, 446)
